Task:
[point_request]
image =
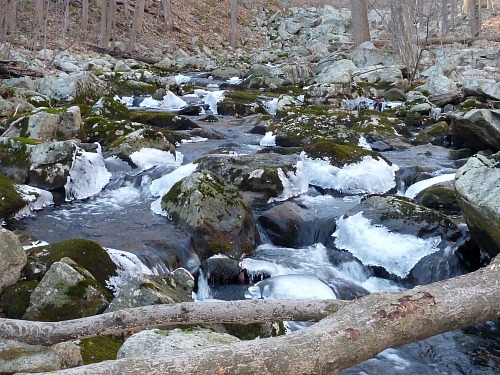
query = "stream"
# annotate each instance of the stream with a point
(120, 217)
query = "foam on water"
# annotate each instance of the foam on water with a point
(369, 176)
(417, 187)
(269, 140)
(88, 174)
(36, 199)
(128, 267)
(271, 106)
(147, 158)
(375, 245)
(294, 183)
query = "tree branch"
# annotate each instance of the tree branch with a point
(358, 331)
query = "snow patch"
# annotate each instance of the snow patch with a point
(147, 158)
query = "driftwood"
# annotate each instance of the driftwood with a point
(123, 55)
(16, 69)
(357, 331)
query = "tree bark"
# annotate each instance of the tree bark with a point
(85, 15)
(234, 22)
(444, 20)
(244, 312)
(359, 16)
(473, 17)
(167, 13)
(358, 331)
(103, 42)
(137, 25)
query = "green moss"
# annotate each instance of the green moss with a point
(338, 155)
(294, 90)
(15, 299)
(10, 199)
(27, 141)
(101, 129)
(98, 349)
(88, 254)
(110, 109)
(163, 120)
(242, 97)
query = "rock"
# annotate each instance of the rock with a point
(438, 84)
(478, 195)
(366, 54)
(81, 87)
(290, 225)
(240, 103)
(435, 134)
(221, 270)
(109, 108)
(480, 86)
(226, 73)
(121, 66)
(18, 357)
(46, 126)
(146, 290)
(6, 108)
(439, 197)
(22, 82)
(216, 214)
(395, 95)
(331, 93)
(68, 67)
(156, 342)
(263, 76)
(384, 76)
(12, 258)
(22, 106)
(163, 120)
(11, 200)
(337, 71)
(296, 73)
(478, 129)
(338, 155)
(67, 291)
(15, 299)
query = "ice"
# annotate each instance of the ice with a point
(391, 354)
(234, 81)
(271, 106)
(36, 199)
(35, 243)
(294, 183)
(269, 140)
(262, 268)
(149, 102)
(172, 101)
(126, 100)
(417, 187)
(194, 140)
(375, 245)
(88, 174)
(128, 267)
(212, 98)
(147, 158)
(291, 287)
(363, 143)
(201, 93)
(204, 292)
(369, 176)
(181, 79)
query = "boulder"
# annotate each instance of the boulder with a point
(478, 195)
(438, 84)
(146, 290)
(12, 258)
(6, 108)
(366, 54)
(163, 120)
(240, 103)
(216, 214)
(290, 225)
(156, 342)
(395, 95)
(226, 73)
(81, 87)
(435, 134)
(15, 299)
(478, 129)
(480, 86)
(67, 291)
(296, 73)
(331, 93)
(18, 357)
(337, 71)
(220, 270)
(11, 200)
(439, 197)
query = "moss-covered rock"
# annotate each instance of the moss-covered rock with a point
(98, 349)
(376, 126)
(253, 331)
(216, 214)
(111, 109)
(338, 155)
(106, 131)
(10, 199)
(439, 197)
(15, 299)
(88, 254)
(14, 160)
(163, 120)
(435, 134)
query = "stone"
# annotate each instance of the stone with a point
(478, 129)
(439, 197)
(435, 134)
(22, 82)
(395, 95)
(156, 342)
(66, 291)
(366, 54)
(6, 108)
(337, 71)
(438, 84)
(12, 258)
(68, 67)
(121, 66)
(81, 87)
(226, 73)
(477, 186)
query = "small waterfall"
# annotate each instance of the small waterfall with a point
(204, 291)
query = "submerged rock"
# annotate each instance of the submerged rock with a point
(216, 214)
(12, 258)
(477, 186)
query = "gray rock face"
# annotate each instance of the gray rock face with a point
(12, 258)
(438, 84)
(366, 54)
(156, 342)
(148, 290)
(337, 71)
(6, 108)
(19, 357)
(478, 129)
(477, 186)
(217, 215)
(67, 291)
(81, 86)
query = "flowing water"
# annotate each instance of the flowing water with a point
(121, 217)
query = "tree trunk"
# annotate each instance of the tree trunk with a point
(85, 15)
(444, 21)
(359, 16)
(103, 42)
(137, 25)
(126, 10)
(8, 18)
(167, 13)
(473, 17)
(357, 331)
(453, 12)
(234, 22)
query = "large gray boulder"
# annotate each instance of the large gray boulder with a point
(12, 258)
(156, 342)
(216, 214)
(438, 84)
(478, 129)
(17, 357)
(67, 291)
(477, 186)
(366, 54)
(480, 86)
(337, 71)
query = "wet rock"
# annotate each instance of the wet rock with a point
(163, 120)
(12, 258)
(146, 290)
(216, 214)
(156, 342)
(338, 155)
(67, 291)
(210, 118)
(290, 225)
(439, 197)
(435, 134)
(478, 195)
(17, 357)
(478, 129)
(220, 270)
(81, 87)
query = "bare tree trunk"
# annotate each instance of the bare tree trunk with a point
(444, 14)
(359, 330)
(126, 10)
(8, 18)
(359, 16)
(489, 4)
(167, 14)
(474, 17)
(234, 22)
(111, 19)
(466, 5)
(453, 12)
(103, 42)
(137, 25)
(85, 15)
